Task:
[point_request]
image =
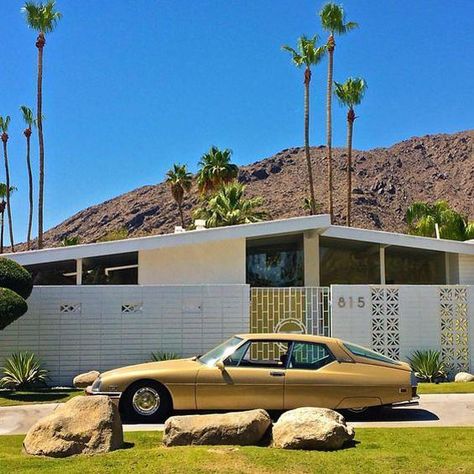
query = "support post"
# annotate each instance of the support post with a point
(382, 265)
(79, 271)
(311, 258)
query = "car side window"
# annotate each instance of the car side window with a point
(234, 359)
(310, 356)
(260, 354)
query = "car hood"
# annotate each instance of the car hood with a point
(175, 365)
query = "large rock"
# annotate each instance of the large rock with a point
(311, 428)
(241, 428)
(464, 377)
(84, 380)
(84, 425)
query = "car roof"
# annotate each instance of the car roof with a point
(287, 337)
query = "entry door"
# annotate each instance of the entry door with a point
(255, 380)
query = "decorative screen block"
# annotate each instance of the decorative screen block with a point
(454, 328)
(70, 308)
(132, 308)
(385, 314)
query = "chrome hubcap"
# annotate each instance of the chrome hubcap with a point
(146, 401)
(358, 410)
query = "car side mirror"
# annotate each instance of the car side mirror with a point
(220, 365)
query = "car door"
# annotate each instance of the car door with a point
(253, 377)
(309, 379)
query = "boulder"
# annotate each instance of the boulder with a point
(83, 425)
(86, 379)
(240, 428)
(464, 377)
(311, 428)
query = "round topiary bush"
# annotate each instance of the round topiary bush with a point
(12, 306)
(15, 277)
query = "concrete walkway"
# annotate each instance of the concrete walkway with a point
(433, 410)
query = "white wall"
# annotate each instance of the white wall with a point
(210, 263)
(466, 269)
(415, 312)
(100, 335)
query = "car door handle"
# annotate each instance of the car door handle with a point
(277, 374)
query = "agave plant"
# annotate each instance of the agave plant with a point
(428, 365)
(159, 356)
(23, 370)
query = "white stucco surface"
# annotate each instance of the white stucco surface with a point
(206, 263)
(466, 269)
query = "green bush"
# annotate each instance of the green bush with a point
(15, 277)
(159, 356)
(23, 370)
(428, 365)
(12, 306)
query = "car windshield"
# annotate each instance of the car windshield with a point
(368, 354)
(221, 352)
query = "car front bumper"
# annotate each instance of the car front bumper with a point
(114, 396)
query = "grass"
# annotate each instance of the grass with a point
(11, 398)
(447, 387)
(407, 450)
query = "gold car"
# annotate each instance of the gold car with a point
(271, 371)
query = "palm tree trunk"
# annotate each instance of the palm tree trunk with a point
(331, 45)
(307, 80)
(7, 182)
(181, 215)
(30, 191)
(350, 124)
(40, 45)
(2, 227)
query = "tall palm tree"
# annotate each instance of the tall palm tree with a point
(429, 219)
(43, 18)
(215, 169)
(3, 206)
(306, 55)
(229, 207)
(350, 94)
(333, 21)
(4, 123)
(29, 119)
(180, 181)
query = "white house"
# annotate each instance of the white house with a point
(97, 306)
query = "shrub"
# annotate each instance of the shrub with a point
(428, 365)
(23, 370)
(12, 306)
(159, 356)
(15, 277)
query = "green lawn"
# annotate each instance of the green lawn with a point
(43, 396)
(407, 450)
(447, 387)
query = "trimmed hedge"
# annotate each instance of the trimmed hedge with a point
(12, 306)
(15, 277)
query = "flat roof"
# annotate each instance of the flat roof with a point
(320, 224)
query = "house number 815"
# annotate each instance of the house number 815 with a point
(351, 301)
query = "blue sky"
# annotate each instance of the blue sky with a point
(131, 87)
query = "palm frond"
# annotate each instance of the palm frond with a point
(333, 19)
(28, 115)
(41, 17)
(351, 92)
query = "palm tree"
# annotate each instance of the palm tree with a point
(216, 170)
(4, 123)
(332, 20)
(439, 218)
(29, 121)
(43, 18)
(180, 181)
(3, 205)
(307, 55)
(350, 94)
(229, 207)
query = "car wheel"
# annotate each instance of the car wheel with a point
(145, 402)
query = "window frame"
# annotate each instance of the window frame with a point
(334, 358)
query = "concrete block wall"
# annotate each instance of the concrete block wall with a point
(416, 309)
(80, 328)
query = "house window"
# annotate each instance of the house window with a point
(347, 262)
(275, 262)
(54, 273)
(120, 269)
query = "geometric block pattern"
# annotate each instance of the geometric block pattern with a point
(70, 308)
(385, 316)
(454, 327)
(132, 308)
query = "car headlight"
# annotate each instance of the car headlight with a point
(96, 385)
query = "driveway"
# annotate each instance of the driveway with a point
(433, 410)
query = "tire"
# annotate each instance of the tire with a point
(145, 401)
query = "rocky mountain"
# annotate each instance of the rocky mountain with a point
(385, 182)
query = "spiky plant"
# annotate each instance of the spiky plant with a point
(23, 370)
(427, 365)
(160, 356)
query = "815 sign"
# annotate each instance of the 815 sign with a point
(351, 302)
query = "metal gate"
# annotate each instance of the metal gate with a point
(300, 310)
